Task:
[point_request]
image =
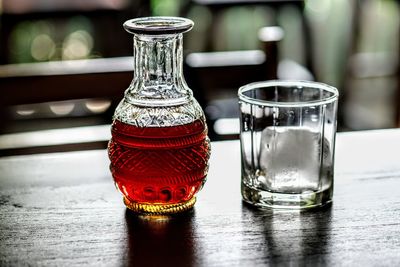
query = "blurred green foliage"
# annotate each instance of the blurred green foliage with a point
(46, 40)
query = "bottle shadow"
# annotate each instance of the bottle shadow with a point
(160, 240)
(300, 238)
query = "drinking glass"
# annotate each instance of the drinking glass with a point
(287, 143)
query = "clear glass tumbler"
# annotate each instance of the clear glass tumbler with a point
(287, 143)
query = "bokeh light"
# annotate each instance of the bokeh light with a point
(77, 45)
(43, 47)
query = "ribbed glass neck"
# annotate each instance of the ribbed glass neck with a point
(158, 78)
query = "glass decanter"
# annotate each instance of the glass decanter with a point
(159, 149)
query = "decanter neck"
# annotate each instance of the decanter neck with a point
(158, 78)
(158, 59)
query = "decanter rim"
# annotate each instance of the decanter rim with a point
(158, 25)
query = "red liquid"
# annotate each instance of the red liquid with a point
(159, 165)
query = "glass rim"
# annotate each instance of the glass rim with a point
(158, 25)
(288, 83)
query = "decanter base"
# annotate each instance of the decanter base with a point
(159, 208)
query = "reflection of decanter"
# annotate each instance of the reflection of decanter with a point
(159, 149)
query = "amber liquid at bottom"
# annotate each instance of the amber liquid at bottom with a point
(159, 165)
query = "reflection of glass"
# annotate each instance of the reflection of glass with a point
(290, 238)
(287, 139)
(160, 241)
(159, 149)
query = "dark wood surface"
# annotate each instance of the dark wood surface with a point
(62, 209)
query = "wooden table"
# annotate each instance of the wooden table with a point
(62, 209)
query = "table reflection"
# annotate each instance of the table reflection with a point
(290, 236)
(160, 240)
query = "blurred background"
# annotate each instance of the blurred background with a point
(66, 63)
